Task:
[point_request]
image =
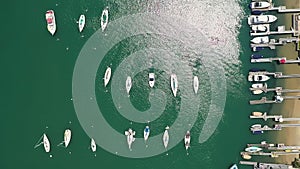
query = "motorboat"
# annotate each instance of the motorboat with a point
(166, 137)
(256, 132)
(246, 156)
(256, 113)
(260, 40)
(258, 78)
(278, 99)
(93, 145)
(261, 19)
(81, 23)
(46, 143)
(256, 126)
(256, 56)
(128, 84)
(107, 76)
(257, 86)
(146, 133)
(174, 84)
(196, 84)
(260, 5)
(151, 79)
(257, 48)
(234, 166)
(130, 137)
(51, 24)
(259, 28)
(67, 137)
(258, 91)
(104, 19)
(253, 149)
(187, 140)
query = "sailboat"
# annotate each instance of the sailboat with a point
(104, 19)
(45, 142)
(130, 137)
(128, 84)
(166, 137)
(187, 140)
(174, 84)
(81, 23)
(67, 137)
(146, 133)
(196, 84)
(93, 145)
(107, 76)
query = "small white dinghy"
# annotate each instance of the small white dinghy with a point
(67, 137)
(151, 79)
(81, 23)
(174, 84)
(104, 19)
(107, 76)
(146, 133)
(46, 143)
(93, 145)
(128, 84)
(187, 140)
(130, 137)
(196, 84)
(166, 137)
(51, 23)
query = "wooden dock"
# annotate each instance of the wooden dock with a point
(271, 154)
(278, 90)
(280, 30)
(257, 165)
(281, 60)
(273, 43)
(277, 118)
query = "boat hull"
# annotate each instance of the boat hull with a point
(174, 84)
(104, 19)
(146, 133)
(81, 23)
(128, 84)
(107, 76)
(196, 84)
(51, 22)
(166, 137)
(46, 143)
(93, 145)
(261, 19)
(151, 80)
(187, 140)
(67, 137)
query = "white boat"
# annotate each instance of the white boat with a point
(260, 40)
(128, 84)
(93, 145)
(107, 76)
(151, 79)
(187, 140)
(51, 24)
(67, 137)
(104, 19)
(46, 143)
(146, 133)
(253, 149)
(256, 113)
(166, 137)
(196, 84)
(174, 84)
(255, 126)
(130, 137)
(257, 86)
(234, 166)
(257, 91)
(259, 5)
(81, 23)
(259, 28)
(261, 19)
(258, 78)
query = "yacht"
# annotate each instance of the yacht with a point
(81, 23)
(174, 84)
(107, 76)
(67, 137)
(46, 143)
(187, 140)
(166, 137)
(196, 84)
(51, 24)
(234, 166)
(151, 79)
(259, 28)
(261, 19)
(128, 84)
(104, 19)
(260, 40)
(130, 137)
(260, 5)
(253, 149)
(146, 133)
(93, 145)
(258, 78)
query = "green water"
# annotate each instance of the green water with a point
(37, 71)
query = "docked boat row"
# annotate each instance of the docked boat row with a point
(174, 81)
(51, 22)
(130, 133)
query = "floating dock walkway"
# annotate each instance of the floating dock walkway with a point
(273, 43)
(278, 99)
(277, 127)
(271, 146)
(257, 165)
(271, 154)
(277, 118)
(281, 60)
(274, 74)
(277, 90)
(280, 30)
